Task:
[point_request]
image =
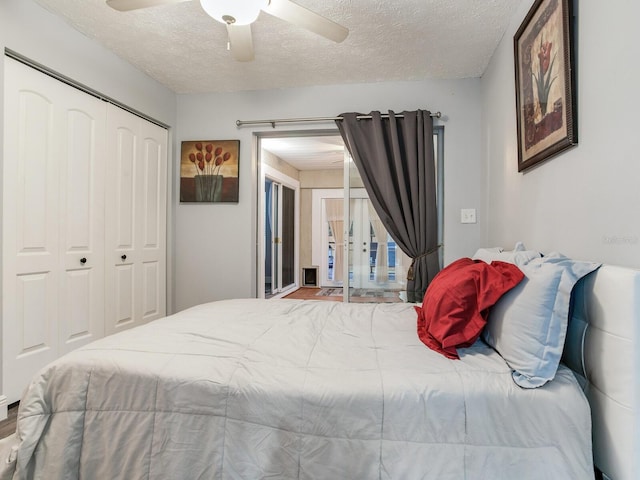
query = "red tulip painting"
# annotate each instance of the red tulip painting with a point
(209, 171)
(545, 79)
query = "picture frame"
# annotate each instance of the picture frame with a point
(209, 171)
(545, 82)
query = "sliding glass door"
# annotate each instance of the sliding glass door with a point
(287, 254)
(279, 266)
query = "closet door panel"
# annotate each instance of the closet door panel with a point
(153, 221)
(136, 207)
(124, 314)
(31, 181)
(151, 289)
(82, 166)
(152, 195)
(30, 228)
(79, 175)
(35, 292)
(125, 189)
(77, 326)
(121, 216)
(53, 222)
(33, 341)
(33, 157)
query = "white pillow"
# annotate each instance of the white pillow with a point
(528, 325)
(487, 254)
(519, 255)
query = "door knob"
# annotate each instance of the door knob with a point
(83, 260)
(123, 257)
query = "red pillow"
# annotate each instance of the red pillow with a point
(456, 303)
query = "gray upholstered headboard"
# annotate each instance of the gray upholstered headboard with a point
(603, 348)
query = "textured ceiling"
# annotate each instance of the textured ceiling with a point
(184, 49)
(308, 153)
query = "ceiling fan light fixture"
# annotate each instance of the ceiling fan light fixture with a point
(234, 12)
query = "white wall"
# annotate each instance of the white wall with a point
(215, 243)
(586, 202)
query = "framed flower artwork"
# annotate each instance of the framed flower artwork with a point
(545, 82)
(209, 171)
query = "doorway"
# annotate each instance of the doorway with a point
(336, 232)
(286, 160)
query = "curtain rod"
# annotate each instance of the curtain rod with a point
(240, 123)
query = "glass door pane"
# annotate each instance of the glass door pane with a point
(377, 268)
(277, 235)
(360, 237)
(268, 239)
(279, 238)
(288, 236)
(332, 240)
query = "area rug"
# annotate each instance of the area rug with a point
(362, 292)
(356, 292)
(329, 292)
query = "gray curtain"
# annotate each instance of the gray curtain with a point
(396, 162)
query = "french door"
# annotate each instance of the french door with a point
(375, 262)
(373, 259)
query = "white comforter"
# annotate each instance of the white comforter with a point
(286, 389)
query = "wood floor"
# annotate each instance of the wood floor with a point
(8, 425)
(311, 293)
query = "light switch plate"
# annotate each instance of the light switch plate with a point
(468, 215)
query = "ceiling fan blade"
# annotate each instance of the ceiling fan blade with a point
(297, 15)
(126, 5)
(241, 42)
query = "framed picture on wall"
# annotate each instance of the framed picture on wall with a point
(209, 171)
(545, 82)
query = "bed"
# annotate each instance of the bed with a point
(292, 389)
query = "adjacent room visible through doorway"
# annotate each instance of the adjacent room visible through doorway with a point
(315, 216)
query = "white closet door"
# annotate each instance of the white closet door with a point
(82, 228)
(136, 216)
(153, 222)
(52, 217)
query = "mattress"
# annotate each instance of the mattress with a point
(287, 389)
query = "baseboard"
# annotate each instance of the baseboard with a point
(3, 407)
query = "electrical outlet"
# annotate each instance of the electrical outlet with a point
(468, 215)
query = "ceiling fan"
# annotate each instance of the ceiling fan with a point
(238, 15)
